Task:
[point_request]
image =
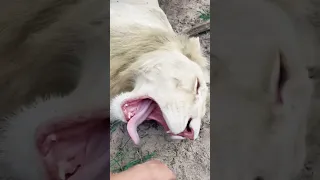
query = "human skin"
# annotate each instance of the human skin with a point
(151, 170)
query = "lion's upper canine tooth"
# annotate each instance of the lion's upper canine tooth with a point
(168, 131)
(130, 115)
(126, 105)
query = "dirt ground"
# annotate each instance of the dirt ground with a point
(190, 160)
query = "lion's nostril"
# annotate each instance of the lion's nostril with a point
(188, 125)
(258, 178)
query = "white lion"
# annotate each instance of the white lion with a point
(155, 73)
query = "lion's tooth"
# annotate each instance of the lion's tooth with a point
(130, 114)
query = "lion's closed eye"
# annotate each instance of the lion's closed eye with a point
(187, 85)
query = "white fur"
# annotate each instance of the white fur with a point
(140, 14)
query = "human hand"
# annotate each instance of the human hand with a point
(151, 170)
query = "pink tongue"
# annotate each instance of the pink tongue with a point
(143, 112)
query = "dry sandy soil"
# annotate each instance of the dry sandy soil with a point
(190, 160)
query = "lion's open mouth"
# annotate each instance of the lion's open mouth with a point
(75, 147)
(138, 110)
